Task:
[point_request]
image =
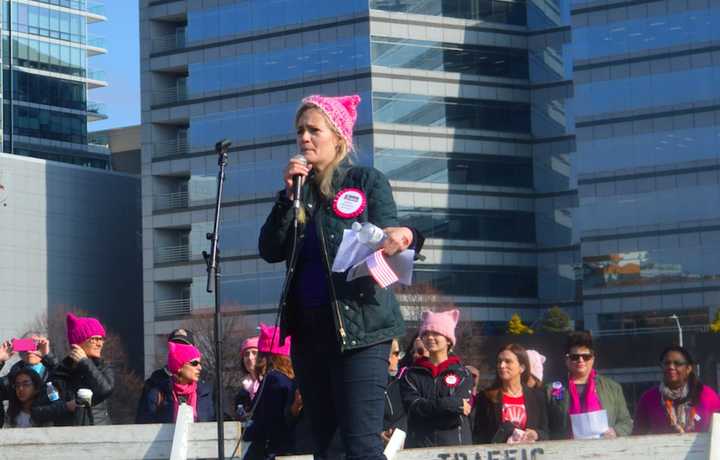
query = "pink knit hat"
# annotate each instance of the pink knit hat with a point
(443, 323)
(179, 354)
(252, 342)
(80, 329)
(269, 341)
(341, 111)
(536, 364)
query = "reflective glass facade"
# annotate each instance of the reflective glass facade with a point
(646, 81)
(45, 55)
(465, 116)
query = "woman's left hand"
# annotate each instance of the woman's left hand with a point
(77, 354)
(530, 435)
(398, 239)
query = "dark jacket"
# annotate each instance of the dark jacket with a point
(433, 399)
(49, 361)
(364, 313)
(270, 430)
(395, 416)
(93, 374)
(488, 426)
(612, 400)
(156, 404)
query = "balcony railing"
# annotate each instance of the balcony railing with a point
(96, 7)
(172, 147)
(96, 41)
(177, 200)
(169, 42)
(174, 307)
(96, 74)
(177, 93)
(169, 254)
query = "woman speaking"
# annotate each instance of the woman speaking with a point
(341, 330)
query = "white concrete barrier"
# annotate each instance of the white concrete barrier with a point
(658, 447)
(118, 442)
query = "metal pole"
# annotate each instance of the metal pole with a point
(680, 332)
(212, 261)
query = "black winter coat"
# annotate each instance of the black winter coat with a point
(270, 430)
(93, 374)
(395, 416)
(488, 426)
(156, 404)
(49, 361)
(434, 404)
(364, 313)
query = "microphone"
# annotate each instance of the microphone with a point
(298, 182)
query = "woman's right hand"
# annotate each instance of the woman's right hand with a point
(295, 167)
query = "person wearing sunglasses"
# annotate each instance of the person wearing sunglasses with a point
(162, 401)
(82, 368)
(583, 392)
(681, 403)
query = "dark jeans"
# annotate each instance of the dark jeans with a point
(344, 390)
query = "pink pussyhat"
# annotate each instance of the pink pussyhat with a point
(80, 329)
(269, 341)
(443, 323)
(252, 342)
(536, 364)
(341, 111)
(179, 354)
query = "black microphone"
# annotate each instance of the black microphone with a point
(298, 181)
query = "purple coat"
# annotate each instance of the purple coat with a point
(651, 418)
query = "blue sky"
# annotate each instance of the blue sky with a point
(121, 65)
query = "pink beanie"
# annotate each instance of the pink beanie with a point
(443, 323)
(536, 364)
(252, 342)
(269, 341)
(341, 111)
(179, 354)
(80, 329)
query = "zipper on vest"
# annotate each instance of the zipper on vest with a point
(340, 324)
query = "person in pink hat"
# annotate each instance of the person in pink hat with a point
(436, 390)
(341, 329)
(270, 431)
(83, 368)
(162, 400)
(250, 381)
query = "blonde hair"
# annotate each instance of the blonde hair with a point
(323, 179)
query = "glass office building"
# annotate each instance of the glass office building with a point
(46, 78)
(464, 109)
(647, 89)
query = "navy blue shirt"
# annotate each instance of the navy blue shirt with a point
(310, 285)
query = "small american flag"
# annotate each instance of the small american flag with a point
(380, 270)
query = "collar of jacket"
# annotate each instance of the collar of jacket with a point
(425, 363)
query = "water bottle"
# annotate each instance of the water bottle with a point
(369, 234)
(52, 392)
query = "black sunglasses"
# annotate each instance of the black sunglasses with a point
(194, 363)
(579, 356)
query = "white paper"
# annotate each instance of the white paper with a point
(590, 425)
(350, 252)
(352, 257)
(397, 441)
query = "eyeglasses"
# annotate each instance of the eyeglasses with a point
(674, 364)
(395, 353)
(24, 385)
(96, 339)
(194, 363)
(579, 356)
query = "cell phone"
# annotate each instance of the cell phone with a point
(24, 345)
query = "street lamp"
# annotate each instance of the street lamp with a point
(677, 322)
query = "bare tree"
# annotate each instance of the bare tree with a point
(128, 385)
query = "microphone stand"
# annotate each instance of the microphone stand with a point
(212, 261)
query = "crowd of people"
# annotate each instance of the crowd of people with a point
(330, 378)
(428, 392)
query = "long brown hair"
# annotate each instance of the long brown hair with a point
(272, 361)
(522, 358)
(323, 179)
